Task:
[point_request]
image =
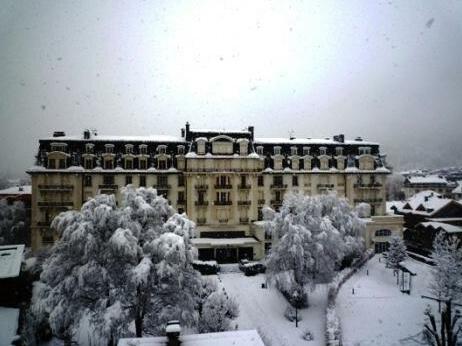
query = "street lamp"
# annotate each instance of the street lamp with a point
(295, 296)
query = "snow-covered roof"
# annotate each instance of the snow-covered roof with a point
(104, 138)
(442, 226)
(309, 141)
(234, 338)
(8, 324)
(458, 188)
(224, 241)
(425, 203)
(429, 179)
(10, 260)
(17, 190)
(391, 204)
(219, 131)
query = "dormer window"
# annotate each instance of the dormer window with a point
(260, 150)
(293, 151)
(339, 151)
(58, 147)
(143, 149)
(128, 164)
(162, 149)
(201, 145)
(88, 163)
(180, 150)
(322, 151)
(306, 151)
(364, 150)
(128, 148)
(109, 148)
(277, 150)
(89, 148)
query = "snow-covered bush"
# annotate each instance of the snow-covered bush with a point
(291, 314)
(206, 267)
(218, 310)
(313, 236)
(363, 210)
(14, 222)
(396, 252)
(307, 335)
(115, 266)
(447, 272)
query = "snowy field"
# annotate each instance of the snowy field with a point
(378, 313)
(263, 309)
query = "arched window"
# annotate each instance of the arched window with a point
(383, 233)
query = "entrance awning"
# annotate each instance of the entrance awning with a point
(217, 242)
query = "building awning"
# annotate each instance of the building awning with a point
(217, 242)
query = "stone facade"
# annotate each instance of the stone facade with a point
(221, 179)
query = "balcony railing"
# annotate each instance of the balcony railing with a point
(243, 202)
(201, 187)
(276, 202)
(244, 187)
(56, 187)
(55, 204)
(279, 186)
(368, 186)
(325, 186)
(223, 186)
(223, 202)
(108, 187)
(201, 203)
(162, 187)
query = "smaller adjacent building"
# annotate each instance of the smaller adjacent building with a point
(11, 257)
(21, 193)
(425, 232)
(415, 184)
(457, 192)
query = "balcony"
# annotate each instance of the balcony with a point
(276, 202)
(56, 187)
(325, 186)
(243, 203)
(162, 187)
(222, 220)
(55, 204)
(261, 201)
(244, 187)
(201, 221)
(244, 220)
(223, 202)
(201, 203)
(223, 186)
(372, 186)
(108, 187)
(279, 186)
(201, 187)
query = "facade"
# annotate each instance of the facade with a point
(415, 184)
(221, 179)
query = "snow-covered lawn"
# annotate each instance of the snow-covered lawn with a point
(378, 313)
(8, 325)
(263, 309)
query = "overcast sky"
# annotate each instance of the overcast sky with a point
(390, 71)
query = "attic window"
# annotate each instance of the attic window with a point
(109, 148)
(129, 148)
(260, 150)
(277, 150)
(143, 149)
(306, 151)
(322, 151)
(58, 146)
(181, 150)
(339, 151)
(162, 149)
(293, 151)
(89, 148)
(364, 150)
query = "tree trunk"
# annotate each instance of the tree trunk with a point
(139, 326)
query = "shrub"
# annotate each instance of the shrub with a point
(206, 267)
(289, 313)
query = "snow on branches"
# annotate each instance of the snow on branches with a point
(313, 235)
(396, 252)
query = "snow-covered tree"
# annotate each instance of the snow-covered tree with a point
(114, 266)
(363, 210)
(14, 222)
(396, 252)
(217, 309)
(313, 235)
(447, 272)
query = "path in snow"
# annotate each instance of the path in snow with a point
(263, 309)
(378, 313)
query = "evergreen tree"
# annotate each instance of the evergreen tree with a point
(14, 223)
(396, 252)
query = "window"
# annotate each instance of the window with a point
(278, 196)
(277, 150)
(108, 164)
(181, 180)
(339, 151)
(260, 150)
(243, 180)
(180, 196)
(129, 149)
(62, 163)
(260, 214)
(51, 163)
(364, 150)
(180, 150)
(87, 181)
(161, 149)
(294, 180)
(322, 151)
(109, 148)
(260, 180)
(58, 146)
(128, 164)
(162, 164)
(143, 149)
(383, 233)
(88, 163)
(306, 151)
(89, 148)
(142, 180)
(128, 179)
(277, 180)
(162, 180)
(108, 180)
(143, 163)
(293, 151)
(223, 196)
(200, 195)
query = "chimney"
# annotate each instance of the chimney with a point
(182, 133)
(341, 138)
(251, 129)
(358, 139)
(86, 134)
(173, 331)
(187, 135)
(59, 134)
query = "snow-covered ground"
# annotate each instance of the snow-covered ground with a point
(263, 309)
(378, 313)
(8, 325)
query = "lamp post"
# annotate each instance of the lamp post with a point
(295, 295)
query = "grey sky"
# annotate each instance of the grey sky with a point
(390, 71)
